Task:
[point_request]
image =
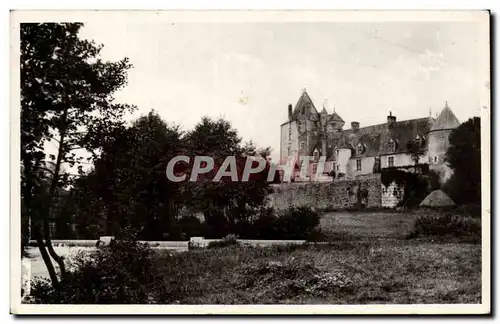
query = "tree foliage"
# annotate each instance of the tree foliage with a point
(131, 180)
(225, 202)
(67, 100)
(415, 150)
(128, 185)
(464, 157)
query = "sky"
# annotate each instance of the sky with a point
(248, 73)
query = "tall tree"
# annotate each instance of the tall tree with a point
(128, 184)
(67, 99)
(132, 177)
(464, 157)
(224, 202)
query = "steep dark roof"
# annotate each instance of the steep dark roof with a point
(375, 139)
(334, 116)
(445, 120)
(304, 102)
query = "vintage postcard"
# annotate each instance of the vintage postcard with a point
(250, 162)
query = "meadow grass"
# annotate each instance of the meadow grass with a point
(367, 259)
(399, 271)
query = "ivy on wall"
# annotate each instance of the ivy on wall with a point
(391, 175)
(416, 185)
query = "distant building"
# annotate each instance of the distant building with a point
(363, 150)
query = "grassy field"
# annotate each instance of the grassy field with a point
(368, 261)
(366, 225)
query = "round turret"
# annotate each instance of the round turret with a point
(438, 141)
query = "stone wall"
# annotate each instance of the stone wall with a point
(392, 195)
(326, 195)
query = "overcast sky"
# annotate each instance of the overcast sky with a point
(249, 72)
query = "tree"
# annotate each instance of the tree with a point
(464, 157)
(139, 186)
(66, 99)
(128, 184)
(224, 202)
(415, 150)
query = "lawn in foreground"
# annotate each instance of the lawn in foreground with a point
(382, 272)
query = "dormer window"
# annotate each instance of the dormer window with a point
(418, 141)
(359, 149)
(392, 145)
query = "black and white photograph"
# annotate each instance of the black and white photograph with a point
(250, 162)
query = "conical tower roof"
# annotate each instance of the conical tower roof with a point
(304, 100)
(445, 120)
(334, 116)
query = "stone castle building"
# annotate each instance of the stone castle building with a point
(358, 151)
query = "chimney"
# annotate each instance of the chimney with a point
(390, 119)
(355, 126)
(290, 112)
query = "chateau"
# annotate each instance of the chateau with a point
(359, 151)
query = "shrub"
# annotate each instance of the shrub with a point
(186, 227)
(122, 272)
(446, 224)
(473, 209)
(228, 240)
(298, 223)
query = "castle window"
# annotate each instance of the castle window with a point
(359, 149)
(392, 145)
(435, 159)
(337, 152)
(390, 161)
(358, 165)
(314, 168)
(338, 167)
(316, 155)
(418, 141)
(302, 145)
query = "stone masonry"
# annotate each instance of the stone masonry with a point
(327, 195)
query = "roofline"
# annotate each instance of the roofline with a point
(440, 129)
(398, 121)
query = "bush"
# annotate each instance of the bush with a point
(296, 223)
(122, 272)
(184, 228)
(228, 240)
(446, 224)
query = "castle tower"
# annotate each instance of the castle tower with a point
(335, 122)
(343, 152)
(308, 124)
(438, 141)
(300, 133)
